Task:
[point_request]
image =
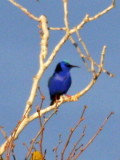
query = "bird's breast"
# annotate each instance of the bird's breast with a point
(62, 77)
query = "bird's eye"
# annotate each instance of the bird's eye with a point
(68, 65)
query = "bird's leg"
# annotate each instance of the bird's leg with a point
(56, 101)
(57, 97)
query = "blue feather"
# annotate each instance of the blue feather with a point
(60, 82)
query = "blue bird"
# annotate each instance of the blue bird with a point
(60, 81)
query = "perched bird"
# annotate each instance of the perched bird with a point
(60, 81)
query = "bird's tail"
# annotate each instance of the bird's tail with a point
(52, 102)
(54, 99)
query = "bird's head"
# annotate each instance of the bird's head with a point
(64, 66)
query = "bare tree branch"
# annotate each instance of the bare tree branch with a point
(44, 63)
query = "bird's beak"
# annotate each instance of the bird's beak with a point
(75, 66)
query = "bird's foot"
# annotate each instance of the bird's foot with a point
(72, 98)
(68, 95)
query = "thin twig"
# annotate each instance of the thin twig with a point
(103, 12)
(87, 18)
(24, 10)
(71, 133)
(10, 141)
(55, 149)
(3, 132)
(65, 6)
(41, 137)
(38, 134)
(57, 29)
(83, 43)
(13, 155)
(74, 149)
(78, 50)
(95, 135)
